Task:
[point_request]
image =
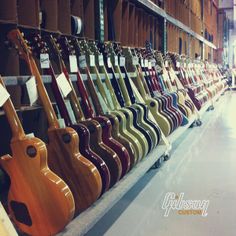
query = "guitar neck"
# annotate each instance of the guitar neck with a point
(128, 85)
(141, 82)
(47, 105)
(98, 82)
(78, 112)
(59, 98)
(13, 119)
(93, 93)
(116, 87)
(123, 87)
(110, 88)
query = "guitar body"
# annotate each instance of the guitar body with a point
(182, 106)
(149, 125)
(185, 101)
(140, 125)
(131, 127)
(159, 116)
(105, 152)
(119, 149)
(115, 132)
(86, 151)
(162, 104)
(172, 97)
(123, 127)
(166, 109)
(79, 173)
(39, 202)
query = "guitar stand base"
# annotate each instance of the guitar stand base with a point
(160, 161)
(198, 122)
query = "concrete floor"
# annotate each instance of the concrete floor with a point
(203, 167)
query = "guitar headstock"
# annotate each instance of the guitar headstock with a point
(93, 48)
(67, 47)
(54, 46)
(103, 49)
(110, 48)
(22, 46)
(38, 45)
(78, 46)
(85, 46)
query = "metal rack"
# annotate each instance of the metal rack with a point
(86, 220)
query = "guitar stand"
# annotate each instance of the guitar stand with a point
(210, 108)
(160, 161)
(196, 123)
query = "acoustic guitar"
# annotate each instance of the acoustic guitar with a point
(41, 46)
(39, 202)
(64, 157)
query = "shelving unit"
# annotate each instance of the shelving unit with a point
(86, 220)
(160, 12)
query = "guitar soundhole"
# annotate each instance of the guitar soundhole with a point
(152, 104)
(21, 213)
(31, 151)
(66, 138)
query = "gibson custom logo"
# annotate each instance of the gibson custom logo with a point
(177, 203)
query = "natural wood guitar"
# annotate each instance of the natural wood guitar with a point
(64, 157)
(39, 202)
(103, 144)
(65, 108)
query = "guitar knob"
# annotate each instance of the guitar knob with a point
(66, 138)
(31, 151)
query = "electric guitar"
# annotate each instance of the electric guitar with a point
(167, 90)
(153, 105)
(106, 90)
(112, 147)
(130, 112)
(39, 202)
(117, 133)
(184, 103)
(125, 114)
(112, 124)
(141, 109)
(64, 157)
(66, 111)
(100, 134)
